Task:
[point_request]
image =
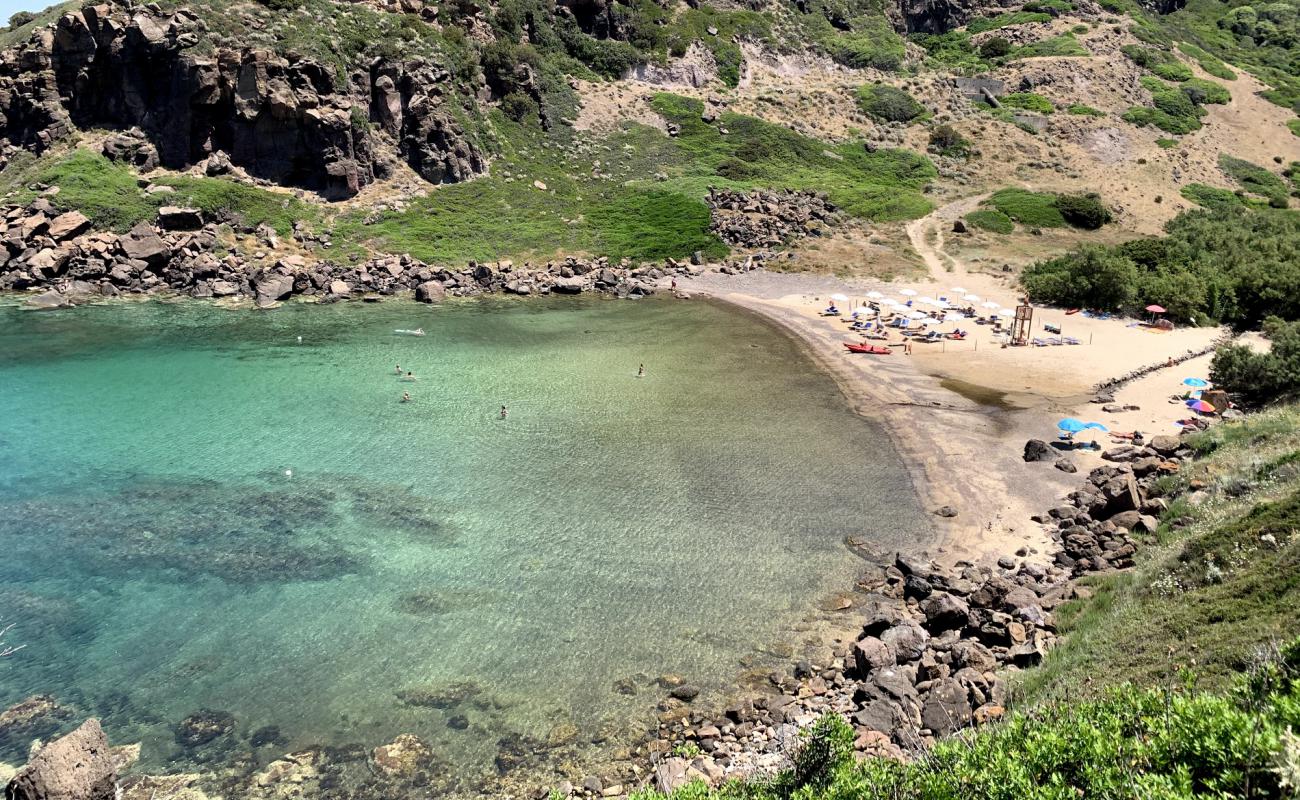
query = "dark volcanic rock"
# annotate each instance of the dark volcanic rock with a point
(291, 121)
(202, 727)
(1038, 450)
(78, 766)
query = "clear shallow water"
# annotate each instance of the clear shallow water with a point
(426, 560)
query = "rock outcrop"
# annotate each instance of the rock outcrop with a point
(287, 120)
(758, 218)
(78, 766)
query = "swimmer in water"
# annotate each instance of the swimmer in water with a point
(640, 371)
(503, 412)
(399, 369)
(406, 397)
(409, 376)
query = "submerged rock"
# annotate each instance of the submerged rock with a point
(203, 726)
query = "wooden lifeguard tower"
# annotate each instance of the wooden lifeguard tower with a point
(1023, 325)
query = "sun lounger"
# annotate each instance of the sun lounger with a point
(1072, 340)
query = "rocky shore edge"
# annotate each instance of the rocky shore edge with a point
(934, 648)
(59, 260)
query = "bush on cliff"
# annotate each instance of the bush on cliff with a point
(1169, 742)
(888, 103)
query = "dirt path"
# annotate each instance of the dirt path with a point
(941, 264)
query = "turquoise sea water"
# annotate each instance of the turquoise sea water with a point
(424, 563)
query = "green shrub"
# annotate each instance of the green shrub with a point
(1166, 144)
(1199, 90)
(1033, 209)
(888, 104)
(1083, 210)
(1029, 102)
(1092, 277)
(1173, 71)
(21, 18)
(982, 24)
(1261, 377)
(1053, 47)
(825, 749)
(947, 141)
(995, 47)
(1294, 126)
(1253, 178)
(990, 220)
(1230, 263)
(875, 46)
(1086, 111)
(1053, 7)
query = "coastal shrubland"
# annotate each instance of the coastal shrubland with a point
(109, 194)
(1028, 101)
(1130, 742)
(885, 103)
(1262, 377)
(1228, 263)
(1176, 108)
(1048, 210)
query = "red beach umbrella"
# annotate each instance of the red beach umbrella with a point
(1155, 309)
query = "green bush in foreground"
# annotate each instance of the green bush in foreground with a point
(1254, 178)
(1034, 209)
(1137, 744)
(1211, 196)
(1085, 111)
(888, 103)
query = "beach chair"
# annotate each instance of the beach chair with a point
(1072, 340)
(1036, 342)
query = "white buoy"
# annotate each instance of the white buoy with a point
(288, 473)
(299, 340)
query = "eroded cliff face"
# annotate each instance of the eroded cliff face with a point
(293, 122)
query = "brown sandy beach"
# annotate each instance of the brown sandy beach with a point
(959, 413)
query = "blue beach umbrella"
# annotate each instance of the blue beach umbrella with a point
(1072, 425)
(1196, 383)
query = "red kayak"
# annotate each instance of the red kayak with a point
(875, 350)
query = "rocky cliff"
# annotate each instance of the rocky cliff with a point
(290, 121)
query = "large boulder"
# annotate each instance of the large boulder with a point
(78, 766)
(871, 654)
(142, 243)
(908, 640)
(176, 218)
(430, 291)
(273, 288)
(944, 612)
(1038, 450)
(947, 707)
(67, 226)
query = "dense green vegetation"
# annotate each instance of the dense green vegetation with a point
(625, 212)
(1046, 210)
(1177, 108)
(990, 219)
(853, 32)
(1258, 378)
(108, 193)
(954, 50)
(1207, 62)
(1028, 101)
(1161, 62)
(1255, 179)
(982, 24)
(1212, 197)
(1130, 743)
(1085, 111)
(885, 103)
(1228, 263)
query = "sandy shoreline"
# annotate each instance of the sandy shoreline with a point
(967, 453)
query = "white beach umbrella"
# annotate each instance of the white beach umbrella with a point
(874, 295)
(990, 304)
(916, 314)
(959, 289)
(971, 298)
(1006, 312)
(941, 304)
(928, 321)
(907, 292)
(840, 297)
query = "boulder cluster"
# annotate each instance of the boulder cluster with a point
(1099, 524)
(760, 218)
(288, 120)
